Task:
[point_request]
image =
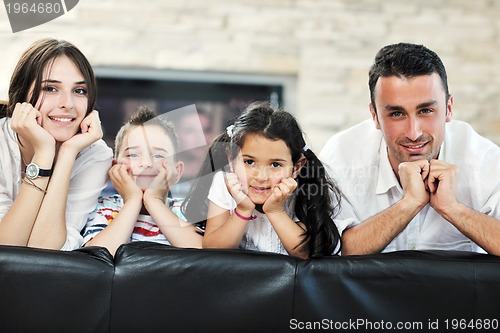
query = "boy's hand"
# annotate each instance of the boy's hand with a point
(124, 183)
(159, 187)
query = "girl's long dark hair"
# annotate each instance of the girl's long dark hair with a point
(195, 205)
(317, 198)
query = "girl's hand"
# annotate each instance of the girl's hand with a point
(91, 131)
(238, 192)
(27, 123)
(159, 187)
(124, 183)
(281, 192)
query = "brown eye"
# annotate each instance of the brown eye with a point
(81, 91)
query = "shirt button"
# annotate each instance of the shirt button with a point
(413, 247)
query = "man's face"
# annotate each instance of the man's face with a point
(194, 131)
(411, 112)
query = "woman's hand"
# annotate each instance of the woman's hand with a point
(27, 123)
(91, 131)
(281, 192)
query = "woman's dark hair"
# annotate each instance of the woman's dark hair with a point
(40, 57)
(317, 198)
(3, 109)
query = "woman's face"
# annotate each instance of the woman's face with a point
(143, 150)
(261, 165)
(63, 99)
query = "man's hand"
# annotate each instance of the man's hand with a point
(413, 178)
(442, 186)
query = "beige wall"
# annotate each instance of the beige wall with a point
(325, 46)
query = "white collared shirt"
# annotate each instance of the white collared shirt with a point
(357, 160)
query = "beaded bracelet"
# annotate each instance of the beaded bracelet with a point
(244, 218)
(30, 183)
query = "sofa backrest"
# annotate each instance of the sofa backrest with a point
(182, 290)
(55, 291)
(151, 287)
(407, 291)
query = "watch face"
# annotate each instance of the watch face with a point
(32, 171)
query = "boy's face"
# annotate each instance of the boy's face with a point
(143, 150)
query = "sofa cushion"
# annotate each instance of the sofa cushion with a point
(55, 291)
(191, 290)
(363, 293)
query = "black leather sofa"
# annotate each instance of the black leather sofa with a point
(149, 287)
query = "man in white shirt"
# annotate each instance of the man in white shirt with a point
(413, 178)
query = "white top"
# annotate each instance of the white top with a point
(260, 234)
(88, 179)
(357, 159)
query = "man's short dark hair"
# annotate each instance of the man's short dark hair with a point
(406, 60)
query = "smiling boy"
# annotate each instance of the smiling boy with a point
(146, 167)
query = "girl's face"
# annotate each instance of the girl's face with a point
(63, 100)
(261, 164)
(143, 150)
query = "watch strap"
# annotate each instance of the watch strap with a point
(44, 172)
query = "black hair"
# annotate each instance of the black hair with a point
(317, 199)
(405, 60)
(3, 109)
(195, 205)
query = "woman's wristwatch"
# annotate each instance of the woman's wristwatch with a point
(34, 171)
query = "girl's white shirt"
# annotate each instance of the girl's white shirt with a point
(260, 234)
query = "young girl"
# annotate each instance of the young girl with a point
(145, 150)
(276, 196)
(52, 158)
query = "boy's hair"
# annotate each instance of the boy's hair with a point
(406, 60)
(145, 116)
(317, 196)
